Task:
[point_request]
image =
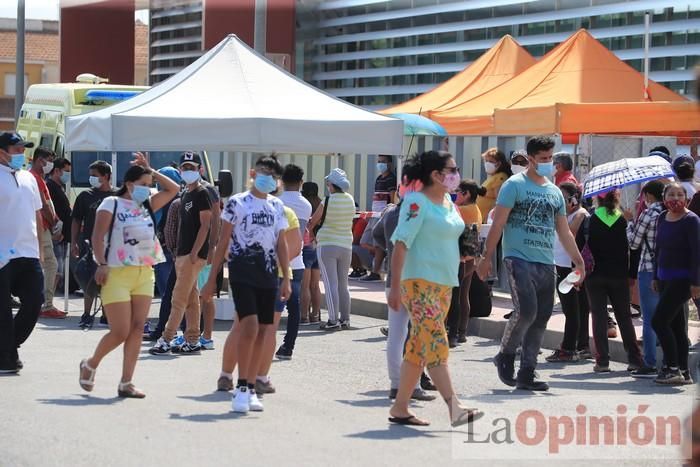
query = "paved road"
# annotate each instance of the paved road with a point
(331, 407)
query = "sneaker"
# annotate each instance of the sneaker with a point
(584, 354)
(240, 402)
(561, 355)
(264, 387)
(644, 372)
(384, 330)
(371, 277)
(462, 338)
(152, 337)
(315, 319)
(633, 367)
(254, 403)
(177, 342)
(330, 325)
(597, 368)
(527, 380)
(187, 349)
(452, 342)
(636, 311)
(687, 379)
(206, 344)
(53, 313)
(357, 273)
(86, 321)
(670, 376)
(505, 364)
(224, 384)
(421, 395)
(344, 324)
(426, 384)
(14, 303)
(147, 328)
(161, 348)
(283, 353)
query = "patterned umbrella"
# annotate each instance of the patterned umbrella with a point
(617, 174)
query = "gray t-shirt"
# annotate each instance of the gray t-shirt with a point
(382, 232)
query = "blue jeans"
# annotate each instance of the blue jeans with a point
(648, 300)
(23, 278)
(532, 289)
(293, 309)
(162, 271)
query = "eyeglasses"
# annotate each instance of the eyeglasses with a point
(452, 170)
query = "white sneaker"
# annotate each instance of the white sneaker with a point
(254, 403)
(240, 402)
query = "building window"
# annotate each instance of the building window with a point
(11, 82)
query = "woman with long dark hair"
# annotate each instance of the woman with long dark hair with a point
(310, 288)
(125, 267)
(424, 269)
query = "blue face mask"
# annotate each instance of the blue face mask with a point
(65, 178)
(265, 183)
(545, 169)
(16, 161)
(140, 194)
(382, 167)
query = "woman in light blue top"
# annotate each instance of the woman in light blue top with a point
(425, 263)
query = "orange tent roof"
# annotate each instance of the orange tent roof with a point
(580, 70)
(499, 64)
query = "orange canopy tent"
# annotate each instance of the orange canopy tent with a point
(578, 87)
(499, 64)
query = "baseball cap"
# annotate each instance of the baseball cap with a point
(190, 158)
(10, 138)
(518, 153)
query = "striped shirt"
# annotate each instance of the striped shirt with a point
(642, 234)
(337, 226)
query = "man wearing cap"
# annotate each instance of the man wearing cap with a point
(190, 258)
(20, 267)
(42, 165)
(563, 169)
(84, 212)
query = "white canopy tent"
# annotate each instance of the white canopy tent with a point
(232, 99)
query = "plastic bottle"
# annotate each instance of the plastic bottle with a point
(567, 284)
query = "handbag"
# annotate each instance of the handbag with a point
(469, 242)
(318, 226)
(86, 267)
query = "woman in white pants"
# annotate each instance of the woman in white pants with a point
(334, 240)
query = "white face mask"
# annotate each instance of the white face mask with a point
(490, 167)
(94, 181)
(48, 168)
(517, 169)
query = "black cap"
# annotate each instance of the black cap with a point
(190, 158)
(10, 138)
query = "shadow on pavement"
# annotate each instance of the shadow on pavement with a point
(210, 417)
(383, 402)
(83, 400)
(371, 339)
(216, 396)
(398, 432)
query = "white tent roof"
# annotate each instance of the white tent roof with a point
(232, 99)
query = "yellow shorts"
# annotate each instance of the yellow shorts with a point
(126, 281)
(427, 304)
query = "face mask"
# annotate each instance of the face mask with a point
(382, 167)
(95, 182)
(140, 194)
(517, 169)
(451, 182)
(675, 205)
(190, 176)
(265, 183)
(490, 167)
(545, 169)
(65, 177)
(16, 161)
(48, 168)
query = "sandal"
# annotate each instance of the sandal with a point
(411, 420)
(128, 390)
(86, 384)
(466, 416)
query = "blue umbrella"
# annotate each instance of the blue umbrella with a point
(416, 125)
(623, 172)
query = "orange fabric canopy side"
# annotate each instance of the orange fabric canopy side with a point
(496, 66)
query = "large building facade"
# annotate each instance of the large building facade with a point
(377, 53)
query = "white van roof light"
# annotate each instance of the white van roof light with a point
(89, 78)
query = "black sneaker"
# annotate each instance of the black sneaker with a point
(330, 325)
(462, 338)
(283, 353)
(357, 273)
(344, 324)
(505, 364)
(371, 277)
(644, 372)
(86, 321)
(687, 379)
(527, 381)
(14, 303)
(670, 376)
(187, 349)
(384, 330)
(426, 383)
(452, 342)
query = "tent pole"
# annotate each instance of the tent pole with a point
(19, 70)
(260, 27)
(647, 31)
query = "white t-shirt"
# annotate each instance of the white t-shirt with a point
(134, 241)
(561, 257)
(302, 208)
(19, 202)
(257, 224)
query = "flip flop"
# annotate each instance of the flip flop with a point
(467, 416)
(411, 420)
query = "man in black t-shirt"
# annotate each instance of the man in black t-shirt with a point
(84, 212)
(191, 256)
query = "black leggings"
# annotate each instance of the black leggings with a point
(458, 316)
(575, 307)
(669, 322)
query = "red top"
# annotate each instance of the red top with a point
(44, 191)
(565, 177)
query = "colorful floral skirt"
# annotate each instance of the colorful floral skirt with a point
(427, 304)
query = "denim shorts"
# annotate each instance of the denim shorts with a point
(310, 257)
